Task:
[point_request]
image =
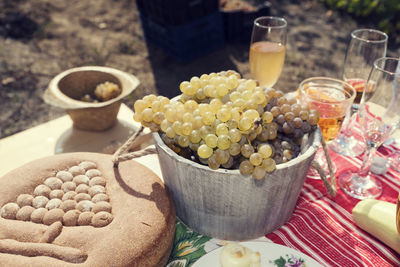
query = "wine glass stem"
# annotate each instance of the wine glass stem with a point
(349, 123)
(369, 154)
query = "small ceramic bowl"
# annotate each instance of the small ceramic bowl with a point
(65, 90)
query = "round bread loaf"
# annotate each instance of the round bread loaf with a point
(132, 220)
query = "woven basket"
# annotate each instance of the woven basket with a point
(227, 205)
(68, 86)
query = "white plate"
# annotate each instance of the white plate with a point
(269, 253)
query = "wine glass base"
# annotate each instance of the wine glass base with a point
(358, 187)
(350, 147)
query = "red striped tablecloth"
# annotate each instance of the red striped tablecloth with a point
(322, 226)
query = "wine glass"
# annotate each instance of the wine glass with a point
(267, 49)
(379, 116)
(398, 213)
(366, 45)
(332, 98)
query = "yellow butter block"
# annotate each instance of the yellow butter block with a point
(379, 219)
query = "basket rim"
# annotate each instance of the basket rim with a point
(311, 150)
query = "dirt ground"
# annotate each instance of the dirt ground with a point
(41, 38)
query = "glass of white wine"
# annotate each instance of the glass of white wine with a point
(267, 49)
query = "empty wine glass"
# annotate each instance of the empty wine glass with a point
(366, 45)
(379, 116)
(267, 49)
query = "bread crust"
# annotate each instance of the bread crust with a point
(140, 234)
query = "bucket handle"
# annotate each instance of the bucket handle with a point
(122, 153)
(330, 185)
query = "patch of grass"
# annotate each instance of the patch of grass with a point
(14, 97)
(3, 51)
(384, 13)
(9, 3)
(126, 48)
(99, 58)
(99, 55)
(6, 67)
(43, 29)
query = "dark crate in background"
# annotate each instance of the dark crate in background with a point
(187, 41)
(238, 24)
(176, 12)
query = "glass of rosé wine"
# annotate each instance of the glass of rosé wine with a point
(379, 116)
(267, 49)
(332, 98)
(366, 45)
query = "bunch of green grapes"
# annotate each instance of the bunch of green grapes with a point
(222, 120)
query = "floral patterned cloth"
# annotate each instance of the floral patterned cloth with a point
(189, 246)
